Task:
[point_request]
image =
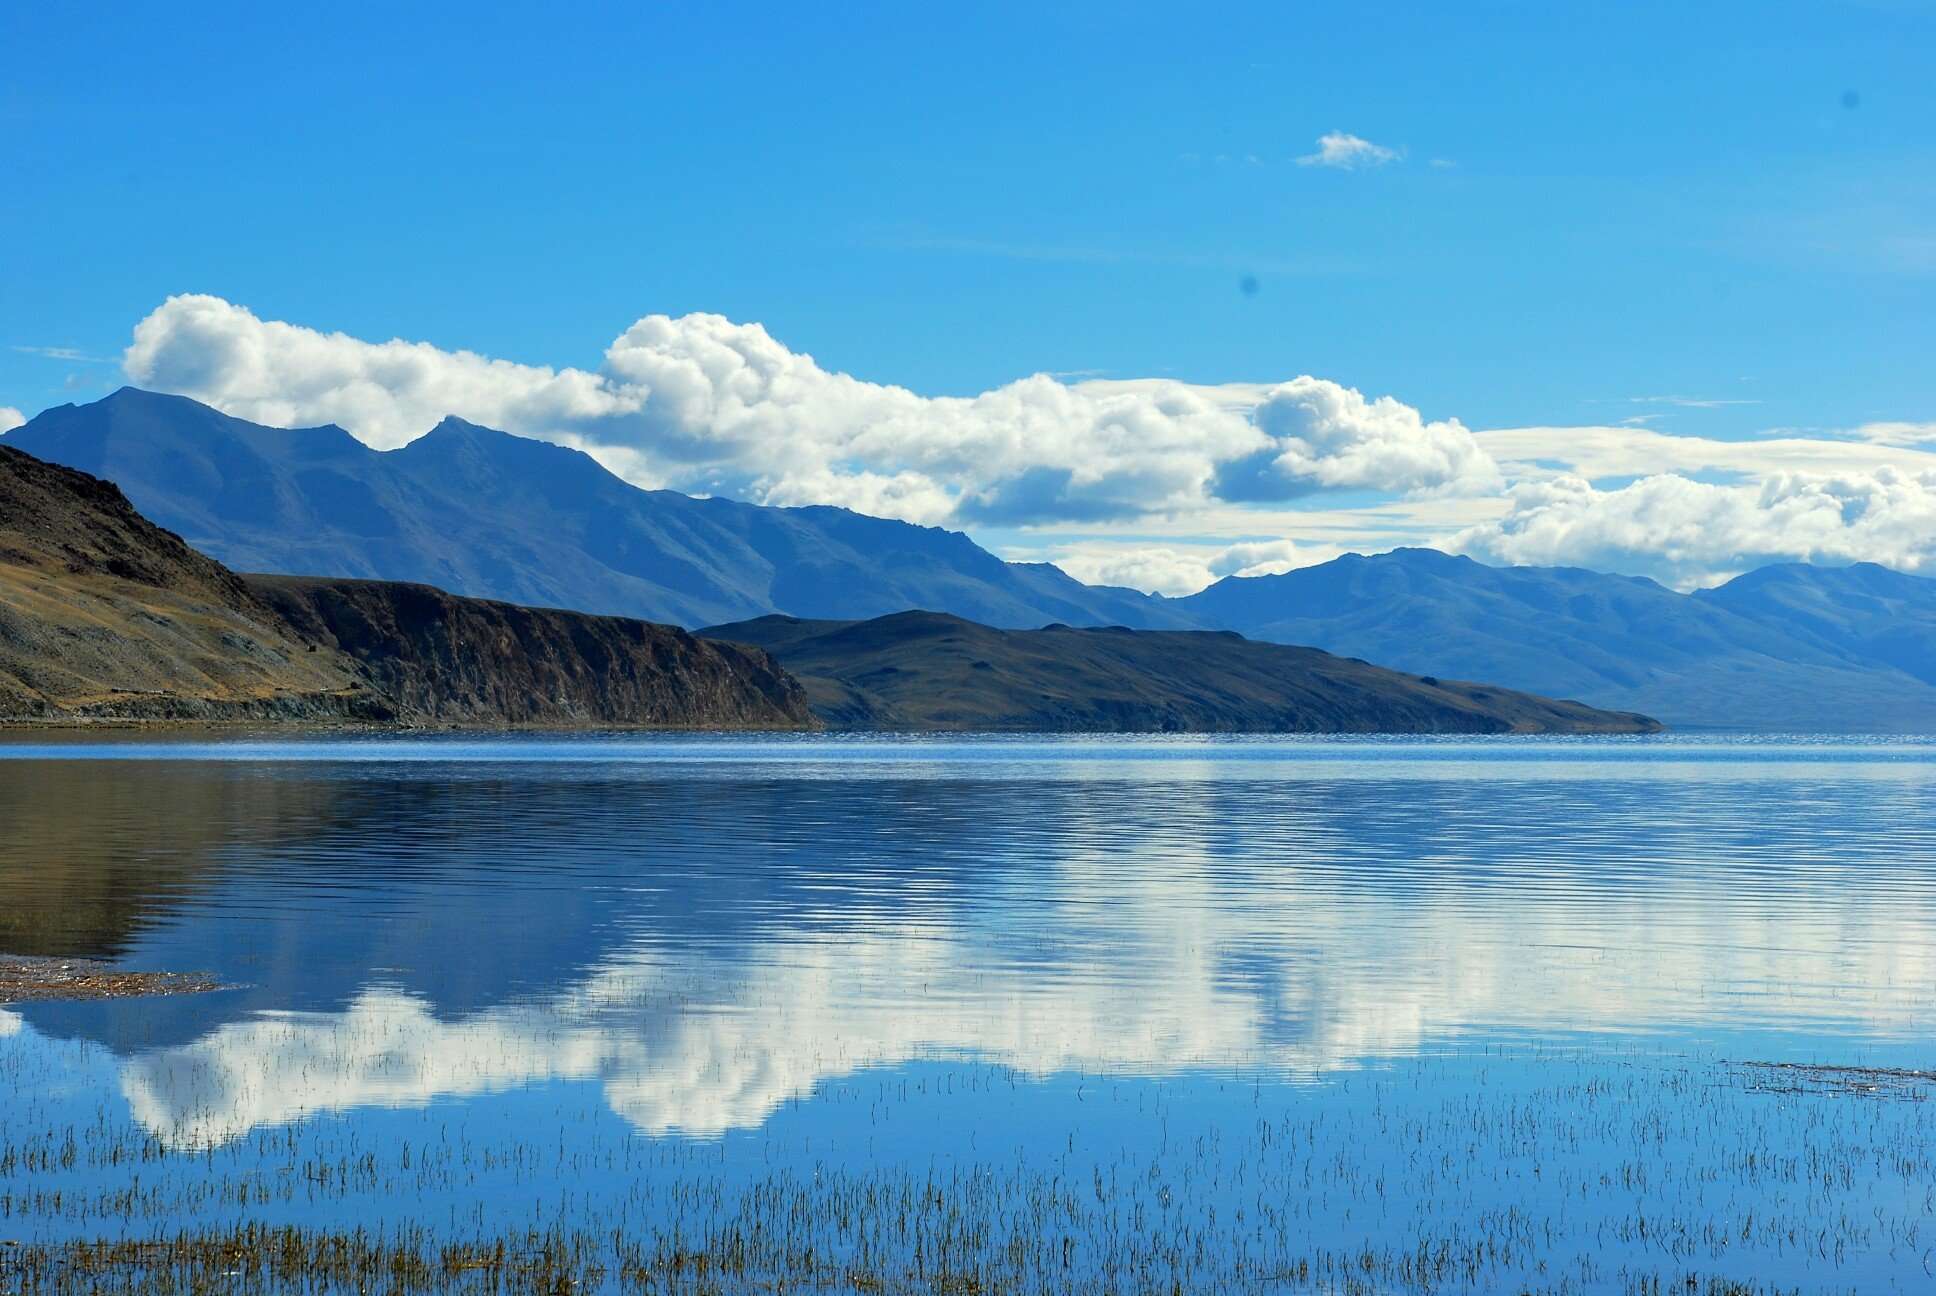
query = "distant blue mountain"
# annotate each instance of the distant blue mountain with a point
(1792, 647)
(493, 515)
(1865, 611)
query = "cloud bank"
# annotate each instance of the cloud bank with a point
(703, 404)
(1167, 569)
(1691, 532)
(10, 418)
(1153, 483)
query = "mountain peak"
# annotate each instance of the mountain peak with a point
(453, 433)
(450, 428)
(133, 420)
(1421, 556)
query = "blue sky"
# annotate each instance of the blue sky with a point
(1594, 213)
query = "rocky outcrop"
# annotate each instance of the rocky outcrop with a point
(464, 661)
(929, 671)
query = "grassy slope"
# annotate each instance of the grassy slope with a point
(929, 671)
(103, 614)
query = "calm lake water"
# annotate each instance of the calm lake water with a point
(1595, 1015)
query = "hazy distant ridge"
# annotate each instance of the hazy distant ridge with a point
(1788, 647)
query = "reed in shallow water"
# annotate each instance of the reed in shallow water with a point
(1644, 1177)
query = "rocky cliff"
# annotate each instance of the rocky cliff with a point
(466, 661)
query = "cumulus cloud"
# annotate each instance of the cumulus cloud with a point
(1152, 483)
(1322, 434)
(10, 418)
(1349, 153)
(704, 404)
(384, 392)
(1690, 533)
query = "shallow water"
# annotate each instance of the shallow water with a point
(1381, 1015)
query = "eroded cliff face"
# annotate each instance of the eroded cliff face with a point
(104, 615)
(463, 661)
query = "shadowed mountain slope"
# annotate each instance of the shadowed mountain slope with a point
(463, 661)
(1729, 658)
(927, 670)
(491, 515)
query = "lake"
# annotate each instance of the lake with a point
(791, 1013)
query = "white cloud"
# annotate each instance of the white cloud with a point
(683, 1037)
(1690, 533)
(703, 404)
(1349, 152)
(1178, 570)
(62, 353)
(1326, 435)
(1690, 402)
(1153, 483)
(1904, 434)
(10, 418)
(386, 392)
(1597, 453)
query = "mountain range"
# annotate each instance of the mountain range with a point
(1787, 647)
(490, 515)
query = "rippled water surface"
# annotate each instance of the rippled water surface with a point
(1355, 1015)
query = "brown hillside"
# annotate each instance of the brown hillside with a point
(105, 615)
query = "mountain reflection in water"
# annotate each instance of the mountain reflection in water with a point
(709, 930)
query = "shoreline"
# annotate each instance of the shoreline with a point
(26, 979)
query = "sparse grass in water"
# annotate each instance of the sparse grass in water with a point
(1657, 1178)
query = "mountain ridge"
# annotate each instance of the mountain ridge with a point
(105, 616)
(457, 661)
(922, 670)
(1711, 659)
(487, 514)
(491, 515)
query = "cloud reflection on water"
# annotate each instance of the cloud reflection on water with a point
(1103, 967)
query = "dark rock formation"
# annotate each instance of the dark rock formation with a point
(467, 661)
